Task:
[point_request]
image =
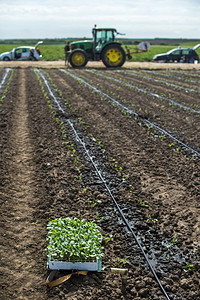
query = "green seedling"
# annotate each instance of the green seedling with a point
(99, 218)
(111, 159)
(142, 203)
(148, 126)
(154, 221)
(35, 223)
(161, 137)
(190, 158)
(172, 144)
(79, 177)
(124, 177)
(85, 189)
(174, 240)
(107, 238)
(189, 267)
(76, 160)
(131, 188)
(93, 203)
(122, 262)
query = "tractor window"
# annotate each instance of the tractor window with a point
(104, 36)
(100, 37)
(110, 36)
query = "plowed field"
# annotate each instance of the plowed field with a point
(141, 129)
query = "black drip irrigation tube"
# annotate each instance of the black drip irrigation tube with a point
(131, 111)
(107, 188)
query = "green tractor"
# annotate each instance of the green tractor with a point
(103, 47)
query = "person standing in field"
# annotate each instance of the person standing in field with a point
(31, 56)
(66, 51)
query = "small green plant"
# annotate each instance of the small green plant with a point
(76, 160)
(189, 267)
(161, 137)
(148, 126)
(154, 221)
(172, 144)
(121, 262)
(131, 188)
(94, 203)
(174, 240)
(85, 189)
(99, 219)
(79, 177)
(124, 177)
(107, 238)
(190, 158)
(142, 203)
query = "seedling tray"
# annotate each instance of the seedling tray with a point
(78, 241)
(81, 266)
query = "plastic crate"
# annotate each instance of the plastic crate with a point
(81, 266)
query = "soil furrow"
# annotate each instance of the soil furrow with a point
(21, 233)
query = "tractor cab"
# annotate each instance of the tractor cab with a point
(103, 36)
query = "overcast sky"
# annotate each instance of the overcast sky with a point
(75, 18)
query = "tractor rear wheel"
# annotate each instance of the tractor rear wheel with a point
(113, 56)
(78, 58)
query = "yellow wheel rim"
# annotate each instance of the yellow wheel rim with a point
(114, 56)
(78, 59)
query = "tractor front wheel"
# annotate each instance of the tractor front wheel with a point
(113, 56)
(78, 58)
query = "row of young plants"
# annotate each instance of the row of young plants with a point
(181, 79)
(154, 131)
(171, 77)
(185, 74)
(187, 88)
(65, 134)
(169, 99)
(5, 90)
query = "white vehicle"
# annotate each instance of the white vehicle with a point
(22, 53)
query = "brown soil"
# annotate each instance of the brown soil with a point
(156, 186)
